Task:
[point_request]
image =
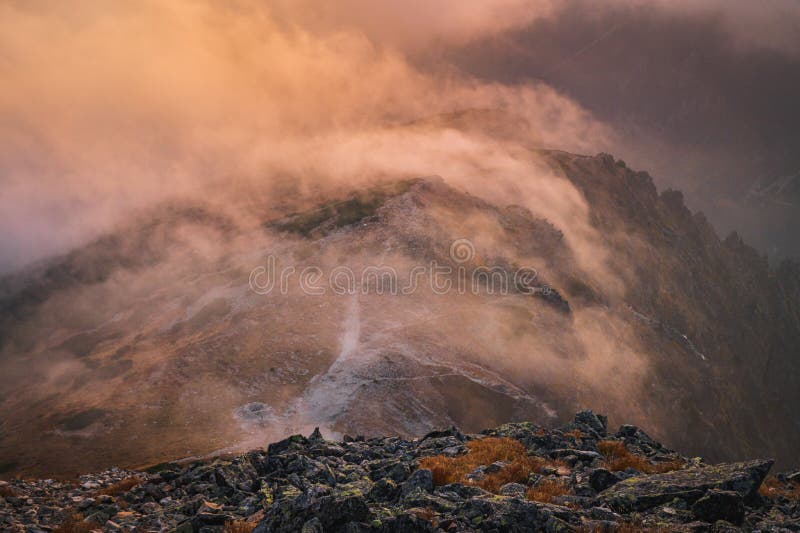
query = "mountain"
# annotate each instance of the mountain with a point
(775, 203)
(516, 477)
(202, 327)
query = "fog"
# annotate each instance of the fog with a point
(235, 115)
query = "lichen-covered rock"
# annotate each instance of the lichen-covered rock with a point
(644, 492)
(597, 423)
(717, 505)
(600, 479)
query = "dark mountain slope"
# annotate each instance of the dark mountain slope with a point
(151, 343)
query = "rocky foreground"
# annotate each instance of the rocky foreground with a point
(518, 477)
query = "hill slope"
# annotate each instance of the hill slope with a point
(152, 343)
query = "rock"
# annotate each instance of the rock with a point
(602, 513)
(697, 527)
(586, 456)
(721, 526)
(294, 442)
(98, 517)
(495, 467)
(720, 505)
(452, 451)
(461, 491)
(422, 479)
(184, 527)
(313, 526)
(309, 484)
(477, 474)
(316, 436)
(452, 431)
(211, 519)
(598, 423)
(85, 503)
(406, 522)
(600, 479)
(644, 492)
(384, 490)
(515, 490)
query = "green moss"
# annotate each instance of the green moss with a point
(290, 492)
(266, 492)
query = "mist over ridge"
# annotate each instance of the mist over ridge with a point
(227, 223)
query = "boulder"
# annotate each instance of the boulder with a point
(384, 490)
(720, 505)
(452, 431)
(644, 492)
(598, 423)
(293, 443)
(495, 467)
(515, 490)
(422, 479)
(600, 479)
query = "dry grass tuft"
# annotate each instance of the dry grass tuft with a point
(121, 486)
(75, 524)
(547, 490)
(485, 452)
(239, 526)
(773, 488)
(426, 514)
(619, 458)
(576, 434)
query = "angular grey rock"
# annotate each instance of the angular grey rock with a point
(515, 490)
(600, 479)
(720, 505)
(644, 492)
(598, 423)
(422, 479)
(495, 467)
(312, 526)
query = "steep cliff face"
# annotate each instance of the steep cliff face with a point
(718, 298)
(154, 342)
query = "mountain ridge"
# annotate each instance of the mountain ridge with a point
(668, 317)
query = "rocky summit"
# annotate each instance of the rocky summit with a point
(517, 477)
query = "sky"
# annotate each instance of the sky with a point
(108, 108)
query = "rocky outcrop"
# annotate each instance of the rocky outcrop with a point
(310, 484)
(689, 485)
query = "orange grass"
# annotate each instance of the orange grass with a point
(75, 524)
(485, 452)
(575, 434)
(618, 458)
(547, 490)
(239, 526)
(773, 488)
(121, 486)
